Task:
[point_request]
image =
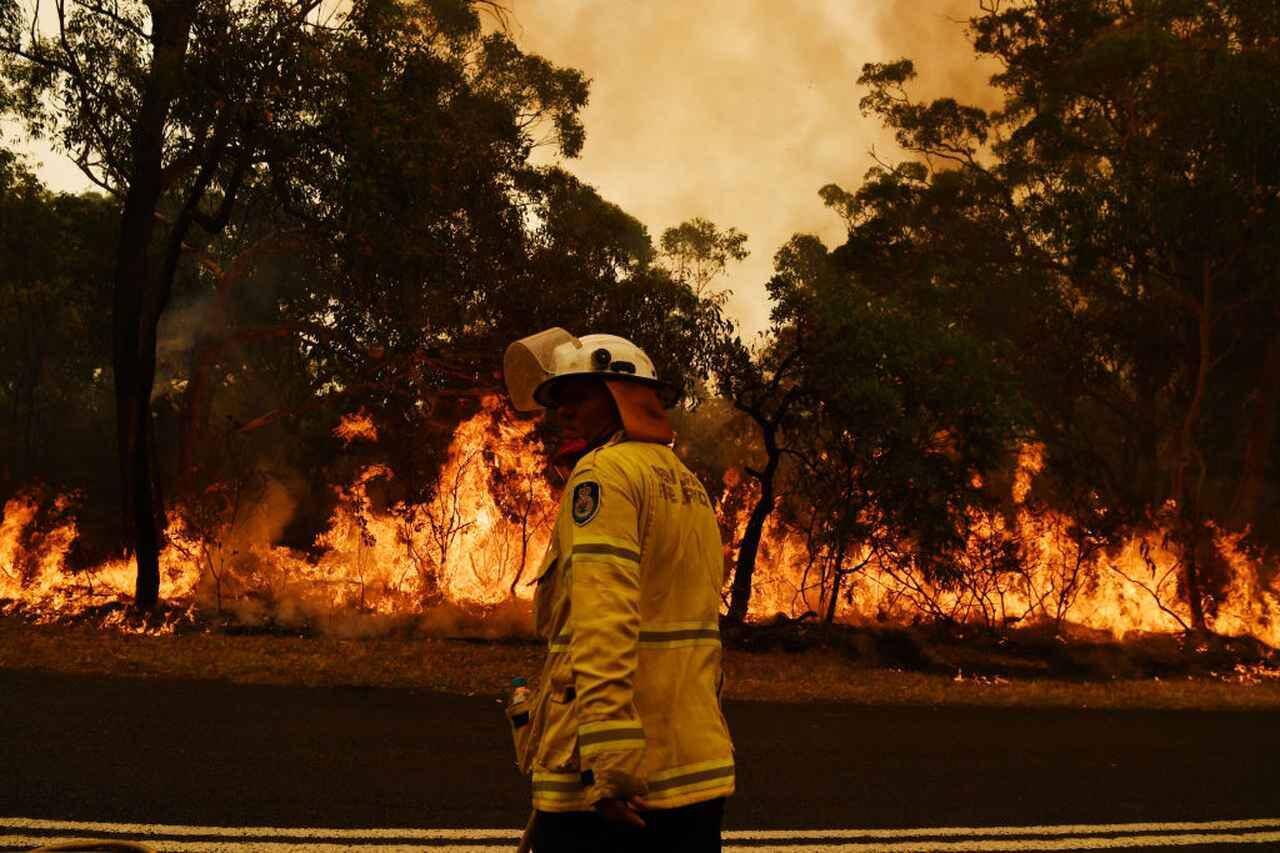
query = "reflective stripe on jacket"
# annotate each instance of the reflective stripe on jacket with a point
(628, 599)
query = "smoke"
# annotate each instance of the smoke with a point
(740, 110)
(933, 34)
(734, 110)
(176, 334)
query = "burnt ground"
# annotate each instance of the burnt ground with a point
(797, 663)
(1037, 651)
(215, 753)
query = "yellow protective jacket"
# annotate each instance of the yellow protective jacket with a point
(628, 598)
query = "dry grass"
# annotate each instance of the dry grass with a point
(452, 666)
(826, 676)
(485, 668)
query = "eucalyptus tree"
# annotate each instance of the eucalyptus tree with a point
(1113, 228)
(181, 108)
(698, 252)
(890, 414)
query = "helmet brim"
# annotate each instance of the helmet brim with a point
(545, 393)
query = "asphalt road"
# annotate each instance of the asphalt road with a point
(216, 754)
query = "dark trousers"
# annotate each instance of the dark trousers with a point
(688, 829)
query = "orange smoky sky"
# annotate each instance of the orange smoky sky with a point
(737, 111)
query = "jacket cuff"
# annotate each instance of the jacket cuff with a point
(606, 784)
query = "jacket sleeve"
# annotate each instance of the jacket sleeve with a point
(605, 627)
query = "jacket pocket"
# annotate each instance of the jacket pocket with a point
(558, 741)
(543, 594)
(522, 721)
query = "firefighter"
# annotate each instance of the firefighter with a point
(625, 739)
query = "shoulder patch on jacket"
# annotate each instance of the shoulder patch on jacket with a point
(586, 501)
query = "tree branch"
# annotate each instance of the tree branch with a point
(82, 87)
(117, 19)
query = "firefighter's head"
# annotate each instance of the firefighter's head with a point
(586, 412)
(597, 382)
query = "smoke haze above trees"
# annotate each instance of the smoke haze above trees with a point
(738, 112)
(780, 128)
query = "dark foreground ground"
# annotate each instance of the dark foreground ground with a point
(76, 747)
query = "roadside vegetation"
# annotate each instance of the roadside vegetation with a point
(772, 665)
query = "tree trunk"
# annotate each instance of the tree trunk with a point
(1185, 495)
(135, 316)
(1261, 439)
(1192, 540)
(740, 596)
(837, 577)
(835, 598)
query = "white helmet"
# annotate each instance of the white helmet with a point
(532, 366)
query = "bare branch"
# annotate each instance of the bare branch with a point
(117, 19)
(82, 85)
(87, 168)
(1155, 596)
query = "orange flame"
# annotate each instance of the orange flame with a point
(357, 426)
(490, 518)
(1133, 589)
(462, 545)
(469, 545)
